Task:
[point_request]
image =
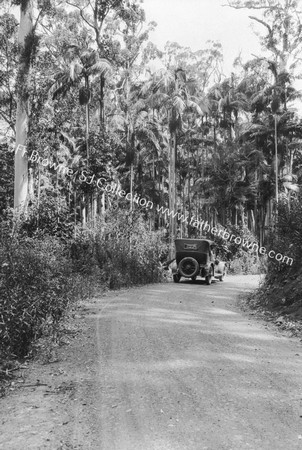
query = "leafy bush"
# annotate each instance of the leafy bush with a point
(286, 238)
(281, 291)
(240, 259)
(35, 286)
(37, 282)
(127, 252)
(49, 216)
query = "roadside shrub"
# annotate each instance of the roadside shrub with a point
(83, 253)
(127, 252)
(247, 264)
(49, 216)
(35, 286)
(37, 283)
(286, 238)
(240, 259)
(281, 291)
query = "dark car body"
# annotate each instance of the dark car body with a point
(196, 257)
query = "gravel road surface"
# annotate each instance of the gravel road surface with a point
(180, 367)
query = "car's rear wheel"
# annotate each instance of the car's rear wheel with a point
(176, 278)
(188, 267)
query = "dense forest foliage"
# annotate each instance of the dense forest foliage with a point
(108, 144)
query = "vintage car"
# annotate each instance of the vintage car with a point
(196, 257)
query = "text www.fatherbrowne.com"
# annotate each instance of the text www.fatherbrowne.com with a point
(204, 226)
(114, 189)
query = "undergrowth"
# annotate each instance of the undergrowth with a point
(45, 271)
(280, 294)
(240, 261)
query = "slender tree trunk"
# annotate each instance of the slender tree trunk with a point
(290, 169)
(129, 141)
(242, 215)
(102, 109)
(183, 209)
(189, 201)
(253, 222)
(131, 186)
(87, 121)
(276, 159)
(103, 204)
(31, 183)
(75, 211)
(95, 207)
(87, 204)
(39, 192)
(84, 218)
(22, 116)
(102, 128)
(172, 191)
(255, 212)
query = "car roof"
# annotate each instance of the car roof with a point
(203, 240)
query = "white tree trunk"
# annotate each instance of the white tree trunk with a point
(21, 160)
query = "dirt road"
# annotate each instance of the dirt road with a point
(166, 367)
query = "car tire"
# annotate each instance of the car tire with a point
(188, 267)
(193, 279)
(176, 278)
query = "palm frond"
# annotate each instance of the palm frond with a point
(75, 70)
(146, 136)
(178, 103)
(100, 67)
(60, 88)
(69, 140)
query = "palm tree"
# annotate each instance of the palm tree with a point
(87, 66)
(83, 65)
(175, 91)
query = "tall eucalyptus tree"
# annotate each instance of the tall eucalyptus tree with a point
(27, 43)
